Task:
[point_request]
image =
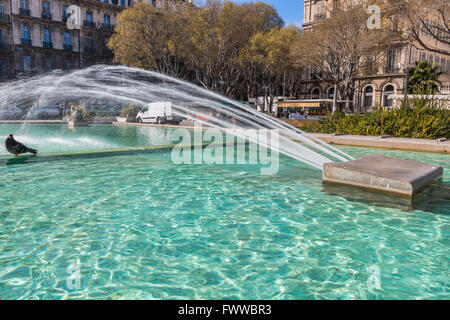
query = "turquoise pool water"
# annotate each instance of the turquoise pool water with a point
(138, 226)
(57, 137)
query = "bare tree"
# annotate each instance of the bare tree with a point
(419, 18)
(337, 48)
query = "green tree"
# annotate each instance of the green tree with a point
(153, 39)
(267, 64)
(198, 43)
(424, 78)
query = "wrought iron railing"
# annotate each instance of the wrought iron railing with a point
(26, 42)
(47, 44)
(24, 12)
(5, 17)
(46, 15)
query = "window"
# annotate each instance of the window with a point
(331, 93)
(2, 38)
(24, 4)
(67, 39)
(368, 97)
(370, 64)
(89, 16)
(47, 38)
(89, 20)
(390, 61)
(122, 3)
(2, 8)
(413, 56)
(26, 35)
(424, 28)
(106, 20)
(315, 94)
(47, 33)
(388, 90)
(26, 63)
(422, 56)
(46, 7)
(320, 11)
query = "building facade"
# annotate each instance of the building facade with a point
(34, 36)
(386, 79)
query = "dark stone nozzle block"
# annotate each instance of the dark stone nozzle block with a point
(385, 174)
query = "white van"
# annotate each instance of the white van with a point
(158, 112)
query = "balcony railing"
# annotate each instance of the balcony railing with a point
(89, 24)
(26, 42)
(24, 12)
(47, 44)
(391, 70)
(89, 49)
(444, 89)
(68, 47)
(108, 27)
(46, 15)
(107, 52)
(319, 17)
(5, 17)
(5, 46)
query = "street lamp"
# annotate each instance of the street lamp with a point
(407, 67)
(406, 83)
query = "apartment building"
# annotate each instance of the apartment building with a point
(34, 36)
(386, 79)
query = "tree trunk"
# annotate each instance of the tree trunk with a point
(335, 98)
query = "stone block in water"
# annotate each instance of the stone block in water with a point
(73, 124)
(385, 174)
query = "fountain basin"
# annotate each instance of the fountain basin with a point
(384, 174)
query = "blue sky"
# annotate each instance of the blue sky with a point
(290, 10)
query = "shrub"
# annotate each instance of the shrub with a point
(129, 111)
(80, 113)
(422, 120)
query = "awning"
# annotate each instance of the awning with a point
(299, 104)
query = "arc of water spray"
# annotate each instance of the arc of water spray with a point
(141, 87)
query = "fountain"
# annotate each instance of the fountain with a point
(110, 87)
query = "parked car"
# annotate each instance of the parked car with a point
(158, 112)
(45, 112)
(11, 113)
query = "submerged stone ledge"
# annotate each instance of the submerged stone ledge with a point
(99, 153)
(425, 145)
(385, 174)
